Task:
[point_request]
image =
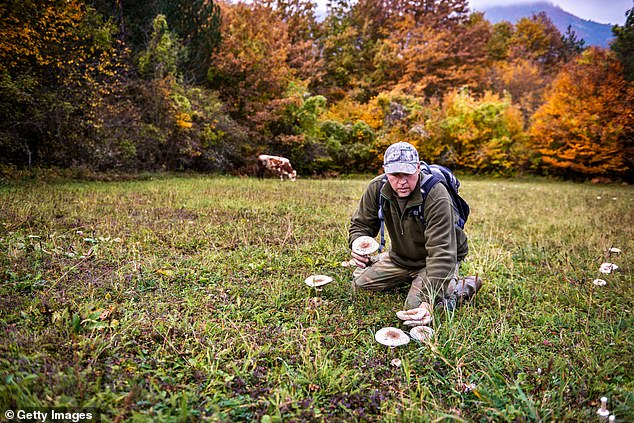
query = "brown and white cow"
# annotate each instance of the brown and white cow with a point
(276, 164)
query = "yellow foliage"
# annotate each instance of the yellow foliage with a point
(183, 120)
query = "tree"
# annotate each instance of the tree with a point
(197, 23)
(538, 39)
(482, 134)
(586, 124)
(499, 43)
(623, 45)
(571, 45)
(250, 68)
(303, 31)
(58, 59)
(161, 56)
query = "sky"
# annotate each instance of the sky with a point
(602, 11)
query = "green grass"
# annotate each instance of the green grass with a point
(183, 298)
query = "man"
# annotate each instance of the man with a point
(428, 255)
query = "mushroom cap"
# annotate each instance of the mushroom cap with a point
(608, 267)
(317, 280)
(392, 337)
(422, 314)
(365, 245)
(421, 333)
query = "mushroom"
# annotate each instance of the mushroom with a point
(603, 410)
(318, 280)
(349, 263)
(421, 333)
(607, 268)
(421, 314)
(364, 245)
(392, 337)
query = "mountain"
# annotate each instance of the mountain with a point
(593, 33)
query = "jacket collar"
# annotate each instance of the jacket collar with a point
(415, 197)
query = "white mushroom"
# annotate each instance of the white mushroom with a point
(607, 268)
(422, 314)
(365, 245)
(392, 337)
(603, 410)
(349, 263)
(421, 333)
(317, 280)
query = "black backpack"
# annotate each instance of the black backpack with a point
(432, 174)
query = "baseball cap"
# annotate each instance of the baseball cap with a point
(401, 157)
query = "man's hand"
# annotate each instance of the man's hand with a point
(361, 261)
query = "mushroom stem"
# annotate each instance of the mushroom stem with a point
(603, 410)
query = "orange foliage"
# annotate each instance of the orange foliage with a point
(250, 66)
(585, 125)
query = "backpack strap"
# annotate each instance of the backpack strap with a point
(429, 181)
(381, 215)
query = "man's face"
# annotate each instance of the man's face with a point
(402, 183)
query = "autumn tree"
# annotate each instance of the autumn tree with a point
(304, 56)
(481, 133)
(436, 59)
(250, 66)
(58, 59)
(526, 56)
(585, 126)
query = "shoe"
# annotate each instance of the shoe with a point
(466, 288)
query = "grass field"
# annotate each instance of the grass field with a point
(182, 298)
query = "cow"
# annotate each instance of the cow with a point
(279, 165)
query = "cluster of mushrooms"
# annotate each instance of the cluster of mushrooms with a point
(417, 318)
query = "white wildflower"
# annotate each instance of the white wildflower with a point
(396, 362)
(615, 250)
(599, 282)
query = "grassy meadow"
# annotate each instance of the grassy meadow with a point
(183, 299)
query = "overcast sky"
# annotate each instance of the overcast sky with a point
(602, 11)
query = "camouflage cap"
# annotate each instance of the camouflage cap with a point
(401, 157)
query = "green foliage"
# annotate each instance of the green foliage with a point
(177, 298)
(162, 55)
(623, 44)
(482, 134)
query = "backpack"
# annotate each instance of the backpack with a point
(432, 174)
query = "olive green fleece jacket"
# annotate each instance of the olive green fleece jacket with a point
(438, 245)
